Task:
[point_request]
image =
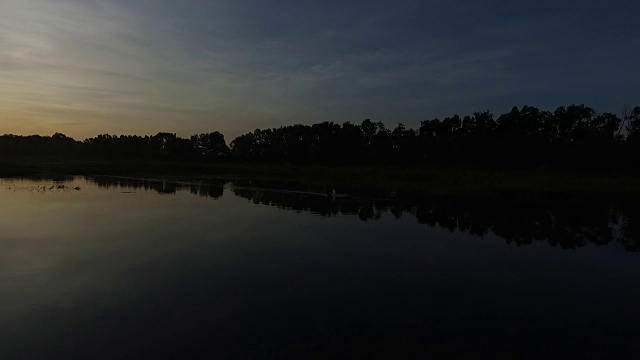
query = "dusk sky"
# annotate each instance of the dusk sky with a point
(142, 66)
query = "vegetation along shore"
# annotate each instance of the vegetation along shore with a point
(572, 151)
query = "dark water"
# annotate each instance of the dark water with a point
(126, 269)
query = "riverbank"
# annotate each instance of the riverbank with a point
(395, 181)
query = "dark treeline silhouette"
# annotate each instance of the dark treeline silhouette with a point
(567, 225)
(162, 146)
(575, 137)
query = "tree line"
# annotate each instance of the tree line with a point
(574, 137)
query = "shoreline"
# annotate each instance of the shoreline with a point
(400, 181)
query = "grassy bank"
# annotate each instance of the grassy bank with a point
(392, 180)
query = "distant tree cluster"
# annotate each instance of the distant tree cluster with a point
(575, 137)
(162, 146)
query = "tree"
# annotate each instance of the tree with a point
(632, 120)
(210, 146)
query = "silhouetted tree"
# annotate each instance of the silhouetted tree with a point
(210, 146)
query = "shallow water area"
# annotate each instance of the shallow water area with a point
(122, 268)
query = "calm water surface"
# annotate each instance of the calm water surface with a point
(122, 269)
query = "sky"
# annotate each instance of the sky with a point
(91, 67)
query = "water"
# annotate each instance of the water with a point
(116, 268)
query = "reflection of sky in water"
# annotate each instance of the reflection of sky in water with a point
(121, 270)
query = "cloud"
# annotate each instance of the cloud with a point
(57, 50)
(142, 65)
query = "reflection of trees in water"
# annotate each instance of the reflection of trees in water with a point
(626, 229)
(40, 178)
(207, 190)
(566, 225)
(212, 189)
